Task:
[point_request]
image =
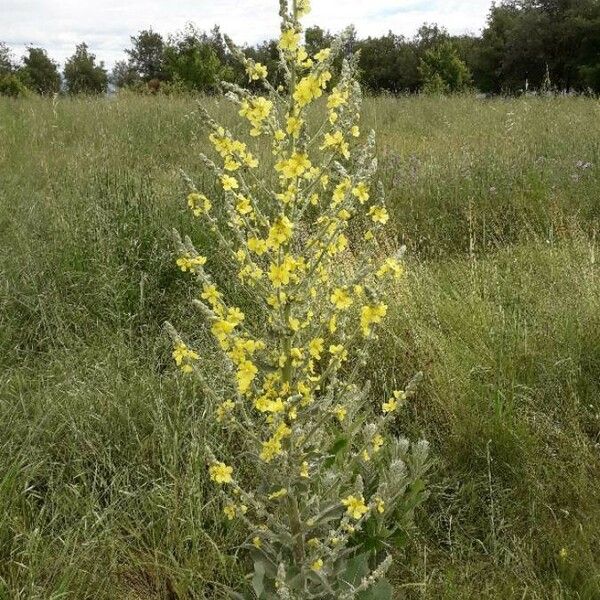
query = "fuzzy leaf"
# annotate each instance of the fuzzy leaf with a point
(382, 590)
(258, 578)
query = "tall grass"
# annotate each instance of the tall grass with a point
(102, 487)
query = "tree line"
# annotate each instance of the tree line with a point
(525, 45)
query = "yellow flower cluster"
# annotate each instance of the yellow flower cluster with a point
(393, 266)
(314, 292)
(289, 40)
(273, 446)
(233, 152)
(183, 357)
(256, 71)
(220, 473)
(379, 214)
(198, 203)
(189, 263)
(341, 299)
(310, 88)
(355, 506)
(336, 142)
(295, 166)
(256, 110)
(391, 405)
(280, 233)
(370, 315)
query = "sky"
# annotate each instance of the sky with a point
(106, 25)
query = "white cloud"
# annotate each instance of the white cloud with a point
(58, 25)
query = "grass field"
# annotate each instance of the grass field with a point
(103, 492)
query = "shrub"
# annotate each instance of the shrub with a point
(443, 71)
(11, 85)
(319, 483)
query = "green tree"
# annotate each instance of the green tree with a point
(39, 72)
(83, 75)
(443, 71)
(147, 56)
(317, 39)
(7, 65)
(124, 75)
(525, 40)
(10, 83)
(388, 63)
(192, 60)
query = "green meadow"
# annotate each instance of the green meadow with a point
(103, 487)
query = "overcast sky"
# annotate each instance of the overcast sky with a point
(106, 25)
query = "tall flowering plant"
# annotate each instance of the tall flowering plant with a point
(320, 485)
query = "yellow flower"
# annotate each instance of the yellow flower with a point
(224, 410)
(289, 40)
(256, 542)
(250, 161)
(338, 351)
(257, 246)
(256, 71)
(304, 469)
(361, 191)
(377, 442)
(391, 265)
(280, 232)
(317, 565)
(332, 326)
(340, 191)
(279, 275)
(337, 142)
(355, 131)
(390, 406)
(220, 473)
(294, 125)
(270, 449)
(340, 412)
(229, 511)
(188, 262)
(294, 166)
(302, 7)
(341, 299)
(307, 90)
(256, 110)
(379, 505)
(229, 183)
(323, 55)
(183, 355)
(278, 494)
(355, 506)
(210, 294)
(324, 78)
(231, 164)
(235, 316)
(337, 98)
(243, 205)
(221, 328)
(198, 204)
(245, 375)
(371, 315)
(315, 347)
(379, 214)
